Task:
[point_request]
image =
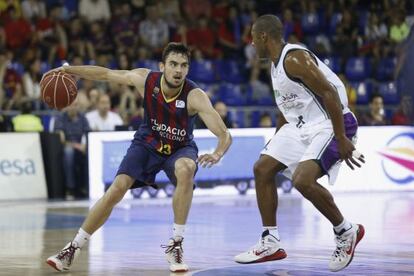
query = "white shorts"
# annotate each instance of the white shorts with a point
(291, 145)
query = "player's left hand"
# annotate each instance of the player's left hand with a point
(349, 154)
(208, 160)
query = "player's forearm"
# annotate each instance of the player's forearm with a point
(333, 106)
(89, 72)
(224, 142)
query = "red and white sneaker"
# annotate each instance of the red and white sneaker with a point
(65, 258)
(174, 253)
(267, 249)
(345, 247)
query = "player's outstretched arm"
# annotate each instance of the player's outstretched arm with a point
(199, 103)
(134, 77)
(301, 65)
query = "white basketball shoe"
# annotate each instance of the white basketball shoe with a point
(345, 247)
(174, 253)
(65, 258)
(267, 249)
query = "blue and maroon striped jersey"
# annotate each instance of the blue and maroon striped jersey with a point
(166, 126)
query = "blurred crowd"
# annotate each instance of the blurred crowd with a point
(36, 36)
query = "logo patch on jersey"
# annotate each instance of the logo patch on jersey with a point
(277, 93)
(179, 104)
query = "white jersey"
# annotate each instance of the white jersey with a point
(299, 105)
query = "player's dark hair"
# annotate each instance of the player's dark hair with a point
(178, 48)
(269, 24)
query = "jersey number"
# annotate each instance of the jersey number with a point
(165, 149)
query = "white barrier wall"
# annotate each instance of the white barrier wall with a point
(388, 150)
(22, 174)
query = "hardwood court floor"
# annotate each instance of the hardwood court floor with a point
(219, 227)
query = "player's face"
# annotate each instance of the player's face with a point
(175, 69)
(258, 43)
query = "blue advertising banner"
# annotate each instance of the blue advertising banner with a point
(236, 164)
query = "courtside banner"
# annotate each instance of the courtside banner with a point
(389, 157)
(107, 149)
(22, 174)
(388, 151)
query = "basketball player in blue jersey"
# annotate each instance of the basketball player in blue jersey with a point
(163, 142)
(316, 132)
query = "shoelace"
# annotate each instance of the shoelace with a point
(176, 249)
(341, 245)
(67, 253)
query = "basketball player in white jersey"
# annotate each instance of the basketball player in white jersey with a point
(316, 133)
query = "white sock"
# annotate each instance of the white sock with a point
(342, 227)
(178, 230)
(81, 238)
(272, 231)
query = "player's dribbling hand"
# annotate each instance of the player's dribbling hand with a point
(56, 70)
(208, 160)
(349, 154)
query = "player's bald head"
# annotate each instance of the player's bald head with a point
(269, 24)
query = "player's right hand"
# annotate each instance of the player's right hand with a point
(348, 153)
(54, 70)
(208, 160)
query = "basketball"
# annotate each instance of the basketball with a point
(58, 89)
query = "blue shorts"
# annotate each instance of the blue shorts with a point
(142, 163)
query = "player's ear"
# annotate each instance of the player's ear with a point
(161, 66)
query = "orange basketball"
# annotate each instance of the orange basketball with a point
(58, 89)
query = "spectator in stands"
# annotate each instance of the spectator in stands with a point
(265, 120)
(33, 9)
(95, 10)
(80, 47)
(17, 29)
(5, 4)
(136, 117)
(73, 128)
(31, 79)
(350, 92)
(203, 38)
(194, 9)
(26, 121)
(229, 35)
(103, 119)
(50, 36)
(124, 29)
(376, 114)
(221, 109)
(170, 11)
(290, 26)
(399, 29)
(93, 95)
(153, 31)
(404, 113)
(375, 30)
(101, 43)
(346, 36)
(10, 83)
